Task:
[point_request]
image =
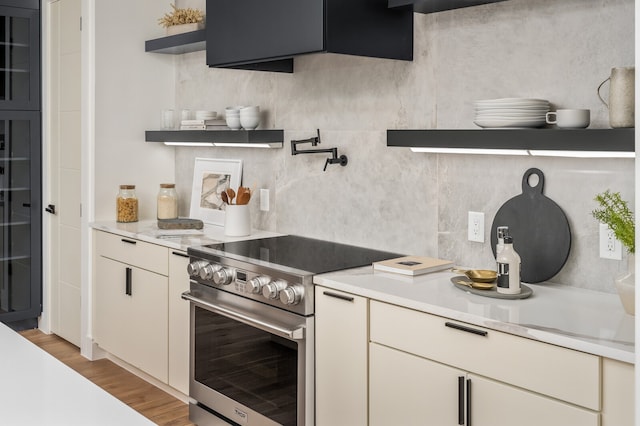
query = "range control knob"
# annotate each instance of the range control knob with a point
(194, 267)
(222, 276)
(254, 285)
(292, 295)
(207, 271)
(272, 290)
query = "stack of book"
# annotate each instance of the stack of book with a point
(413, 265)
(211, 124)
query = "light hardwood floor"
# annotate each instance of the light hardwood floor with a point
(153, 403)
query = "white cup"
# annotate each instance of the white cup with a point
(237, 220)
(570, 118)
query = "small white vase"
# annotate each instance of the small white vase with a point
(626, 286)
(237, 220)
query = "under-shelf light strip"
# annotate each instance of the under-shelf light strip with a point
(540, 153)
(223, 144)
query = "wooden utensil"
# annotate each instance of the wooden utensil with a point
(231, 194)
(243, 198)
(224, 196)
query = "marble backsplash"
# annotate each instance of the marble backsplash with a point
(392, 199)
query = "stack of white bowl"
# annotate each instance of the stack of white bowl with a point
(250, 117)
(511, 112)
(232, 116)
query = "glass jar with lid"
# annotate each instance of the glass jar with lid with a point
(127, 204)
(167, 202)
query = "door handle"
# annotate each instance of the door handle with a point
(460, 400)
(51, 208)
(468, 402)
(127, 281)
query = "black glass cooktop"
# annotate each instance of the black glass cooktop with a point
(306, 254)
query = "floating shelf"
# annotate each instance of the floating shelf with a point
(431, 6)
(237, 138)
(550, 142)
(178, 44)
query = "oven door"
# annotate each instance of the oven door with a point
(250, 362)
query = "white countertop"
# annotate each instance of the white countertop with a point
(37, 389)
(574, 318)
(179, 239)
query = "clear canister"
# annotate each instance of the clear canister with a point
(167, 201)
(127, 204)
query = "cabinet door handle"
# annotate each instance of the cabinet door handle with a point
(127, 281)
(464, 328)
(468, 402)
(177, 253)
(460, 400)
(338, 296)
(124, 240)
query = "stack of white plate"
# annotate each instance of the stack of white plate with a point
(206, 115)
(511, 112)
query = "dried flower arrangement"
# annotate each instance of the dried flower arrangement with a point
(181, 16)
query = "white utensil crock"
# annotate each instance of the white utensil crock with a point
(237, 220)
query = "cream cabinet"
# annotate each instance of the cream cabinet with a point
(466, 374)
(618, 393)
(131, 302)
(178, 322)
(408, 390)
(341, 358)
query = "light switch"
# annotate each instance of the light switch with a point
(264, 200)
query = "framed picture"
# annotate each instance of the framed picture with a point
(211, 176)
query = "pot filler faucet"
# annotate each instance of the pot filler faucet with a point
(342, 160)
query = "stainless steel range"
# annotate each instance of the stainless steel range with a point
(252, 327)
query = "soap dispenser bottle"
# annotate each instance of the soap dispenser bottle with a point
(508, 269)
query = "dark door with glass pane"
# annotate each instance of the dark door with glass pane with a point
(20, 165)
(19, 58)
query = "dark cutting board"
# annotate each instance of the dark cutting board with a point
(540, 230)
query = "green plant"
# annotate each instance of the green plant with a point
(181, 16)
(615, 213)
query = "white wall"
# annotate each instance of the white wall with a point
(389, 198)
(131, 88)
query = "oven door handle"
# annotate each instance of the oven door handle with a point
(296, 334)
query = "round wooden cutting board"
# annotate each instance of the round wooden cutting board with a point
(540, 230)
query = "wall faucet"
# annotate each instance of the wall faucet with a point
(314, 141)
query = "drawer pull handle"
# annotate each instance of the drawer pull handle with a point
(338, 296)
(460, 400)
(177, 253)
(127, 241)
(467, 329)
(127, 282)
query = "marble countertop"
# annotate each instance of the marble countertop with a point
(584, 320)
(570, 317)
(177, 239)
(37, 389)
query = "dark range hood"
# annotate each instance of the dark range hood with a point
(267, 35)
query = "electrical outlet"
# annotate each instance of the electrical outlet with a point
(475, 227)
(264, 200)
(610, 247)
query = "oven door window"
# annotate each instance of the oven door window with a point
(248, 365)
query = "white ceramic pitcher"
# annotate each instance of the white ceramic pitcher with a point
(621, 96)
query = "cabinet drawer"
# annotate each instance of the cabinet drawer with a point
(134, 252)
(551, 370)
